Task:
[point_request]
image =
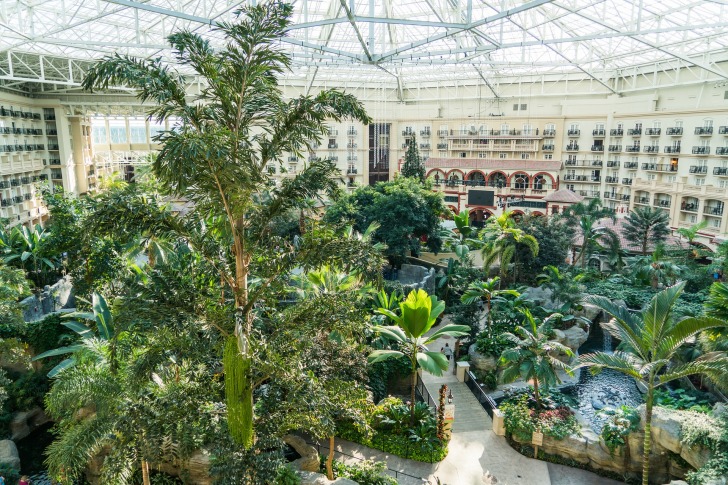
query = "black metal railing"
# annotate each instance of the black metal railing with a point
(484, 399)
(424, 395)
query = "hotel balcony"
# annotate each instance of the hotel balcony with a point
(615, 148)
(699, 169)
(633, 149)
(674, 131)
(653, 131)
(634, 132)
(626, 181)
(613, 163)
(598, 133)
(704, 130)
(651, 149)
(618, 132)
(701, 150)
(672, 149)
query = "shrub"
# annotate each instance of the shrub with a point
(287, 476)
(11, 474)
(712, 433)
(621, 422)
(488, 379)
(683, 399)
(365, 473)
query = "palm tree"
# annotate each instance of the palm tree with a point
(532, 357)
(418, 312)
(486, 291)
(26, 247)
(690, 233)
(585, 216)
(564, 287)
(463, 237)
(646, 225)
(656, 268)
(649, 340)
(225, 136)
(502, 238)
(612, 249)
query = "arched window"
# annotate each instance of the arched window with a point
(539, 182)
(497, 179)
(521, 181)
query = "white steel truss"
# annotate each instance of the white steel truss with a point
(403, 45)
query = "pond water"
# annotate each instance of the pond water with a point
(32, 454)
(608, 389)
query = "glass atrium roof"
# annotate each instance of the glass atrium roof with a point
(404, 44)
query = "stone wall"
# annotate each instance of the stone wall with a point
(51, 299)
(589, 450)
(414, 277)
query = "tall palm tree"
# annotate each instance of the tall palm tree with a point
(613, 250)
(649, 340)
(502, 237)
(486, 291)
(564, 288)
(584, 217)
(418, 312)
(690, 233)
(646, 225)
(657, 268)
(533, 356)
(225, 136)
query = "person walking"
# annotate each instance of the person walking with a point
(447, 351)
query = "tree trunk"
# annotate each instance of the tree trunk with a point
(238, 393)
(145, 473)
(414, 385)
(536, 394)
(648, 436)
(644, 246)
(582, 253)
(330, 459)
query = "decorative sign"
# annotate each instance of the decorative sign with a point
(449, 411)
(537, 438)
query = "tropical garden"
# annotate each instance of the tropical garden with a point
(214, 332)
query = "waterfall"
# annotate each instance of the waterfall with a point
(607, 341)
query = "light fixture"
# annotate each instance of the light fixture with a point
(449, 397)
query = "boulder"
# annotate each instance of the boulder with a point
(309, 461)
(195, 470)
(574, 337)
(573, 447)
(697, 456)
(590, 312)
(25, 422)
(666, 426)
(9, 454)
(482, 362)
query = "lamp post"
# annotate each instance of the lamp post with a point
(449, 397)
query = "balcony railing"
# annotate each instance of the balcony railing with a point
(597, 148)
(631, 165)
(424, 146)
(333, 146)
(704, 130)
(625, 197)
(698, 169)
(574, 132)
(610, 195)
(672, 149)
(351, 145)
(721, 151)
(547, 148)
(575, 178)
(293, 159)
(617, 132)
(674, 131)
(723, 171)
(613, 163)
(633, 148)
(626, 181)
(661, 203)
(442, 133)
(598, 132)
(723, 130)
(713, 210)
(653, 131)
(634, 131)
(549, 133)
(351, 171)
(615, 148)
(701, 150)
(659, 167)
(408, 132)
(689, 206)
(425, 133)
(572, 148)
(351, 132)
(611, 180)
(652, 149)
(442, 146)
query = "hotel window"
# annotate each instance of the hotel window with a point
(138, 133)
(502, 155)
(525, 156)
(548, 156)
(118, 133)
(99, 134)
(698, 181)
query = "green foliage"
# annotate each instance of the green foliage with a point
(46, 334)
(380, 374)
(405, 210)
(503, 242)
(413, 166)
(287, 476)
(488, 379)
(646, 226)
(701, 430)
(364, 473)
(553, 245)
(392, 432)
(156, 478)
(521, 419)
(689, 304)
(621, 422)
(27, 391)
(11, 474)
(683, 399)
(494, 342)
(239, 391)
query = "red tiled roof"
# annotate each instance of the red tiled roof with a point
(618, 228)
(494, 164)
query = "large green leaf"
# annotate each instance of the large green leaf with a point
(433, 362)
(64, 364)
(103, 316)
(79, 328)
(451, 330)
(393, 333)
(59, 351)
(382, 355)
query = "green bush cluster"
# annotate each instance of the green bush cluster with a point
(689, 304)
(521, 419)
(11, 474)
(683, 399)
(621, 422)
(712, 433)
(391, 431)
(287, 476)
(364, 473)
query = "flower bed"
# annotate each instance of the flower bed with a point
(521, 418)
